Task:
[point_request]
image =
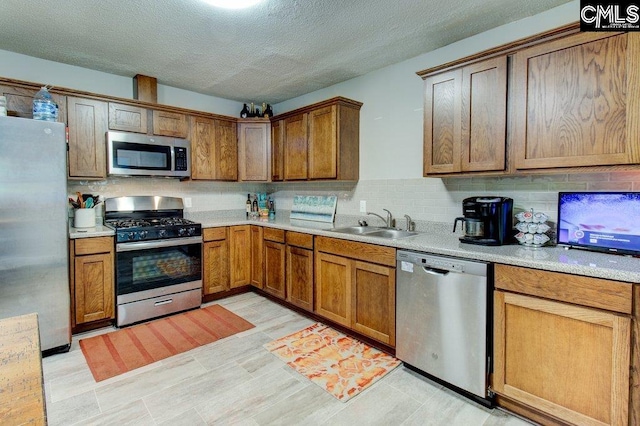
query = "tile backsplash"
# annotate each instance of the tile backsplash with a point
(424, 199)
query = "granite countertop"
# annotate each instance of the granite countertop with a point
(433, 238)
(438, 239)
(96, 231)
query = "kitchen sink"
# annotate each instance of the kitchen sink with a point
(391, 233)
(357, 230)
(374, 231)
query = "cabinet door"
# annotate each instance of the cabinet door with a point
(565, 360)
(87, 121)
(257, 265)
(295, 147)
(94, 287)
(323, 143)
(300, 277)
(442, 122)
(277, 150)
(333, 287)
(20, 102)
(274, 273)
(374, 301)
(226, 150)
(575, 102)
(170, 124)
(203, 155)
(216, 267)
(484, 114)
(240, 255)
(127, 118)
(253, 151)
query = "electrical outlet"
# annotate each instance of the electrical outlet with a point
(363, 206)
(187, 202)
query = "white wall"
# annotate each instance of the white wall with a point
(28, 68)
(392, 115)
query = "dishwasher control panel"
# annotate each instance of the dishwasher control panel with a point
(443, 263)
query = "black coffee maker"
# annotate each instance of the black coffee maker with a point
(487, 220)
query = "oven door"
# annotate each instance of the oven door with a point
(153, 265)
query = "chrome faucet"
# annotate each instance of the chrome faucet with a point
(387, 221)
(410, 224)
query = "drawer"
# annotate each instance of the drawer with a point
(371, 253)
(586, 291)
(271, 234)
(93, 245)
(299, 239)
(214, 234)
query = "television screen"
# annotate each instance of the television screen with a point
(602, 221)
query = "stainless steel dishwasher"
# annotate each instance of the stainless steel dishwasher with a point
(443, 309)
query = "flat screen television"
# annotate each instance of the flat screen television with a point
(600, 221)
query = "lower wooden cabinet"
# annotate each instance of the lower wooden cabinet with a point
(215, 274)
(374, 299)
(352, 290)
(274, 261)
(240, 255)
(559, 357)
(92, 280)
(299, 266)
(257, 264)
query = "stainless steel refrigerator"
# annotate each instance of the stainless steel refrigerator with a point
(34, 254)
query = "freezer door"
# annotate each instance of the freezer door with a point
(34, 266)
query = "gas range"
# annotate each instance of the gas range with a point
(128, 230)
(158, 257)
(148, 218)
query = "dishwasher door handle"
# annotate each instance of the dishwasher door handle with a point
(435, 271)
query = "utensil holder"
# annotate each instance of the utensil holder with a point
(84, 218)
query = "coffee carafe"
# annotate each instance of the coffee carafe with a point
(487, 220)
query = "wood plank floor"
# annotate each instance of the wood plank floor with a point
(236, 381)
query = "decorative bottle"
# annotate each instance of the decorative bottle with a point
(245, 111)
(248, 203)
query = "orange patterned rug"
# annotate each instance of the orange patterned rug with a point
(341, 365)
(111, 354)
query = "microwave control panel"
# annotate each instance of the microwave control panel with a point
(181, 158)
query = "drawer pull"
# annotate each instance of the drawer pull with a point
(163, 302)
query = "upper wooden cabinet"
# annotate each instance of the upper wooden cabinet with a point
(171, 124)
(87, 121)
(575, 102)
(127, 118)
(317, 142)
(295, 147)
(254, 146)
(465, 119)
(214, 149)
(132, 118)
(20, 101)
(277, 150)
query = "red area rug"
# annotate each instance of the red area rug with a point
(341, 365)
(111, 354)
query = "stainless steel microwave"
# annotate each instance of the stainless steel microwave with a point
(133, 154)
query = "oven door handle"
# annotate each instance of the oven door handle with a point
(146, 245)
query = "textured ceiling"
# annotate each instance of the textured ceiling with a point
(276, 51)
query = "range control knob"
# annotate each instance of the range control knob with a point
(131, 236)
(182, 232)
(143, 234)
(191, 230)
(162, 233)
